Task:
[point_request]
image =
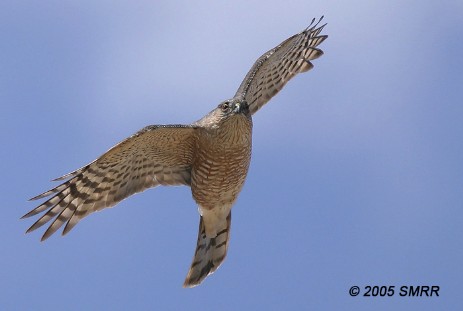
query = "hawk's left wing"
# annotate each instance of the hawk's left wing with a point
(156, 155)
(274, 69)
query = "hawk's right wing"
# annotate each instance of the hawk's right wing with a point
(275, 68)
(156, 155)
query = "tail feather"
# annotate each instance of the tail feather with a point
(209, 254)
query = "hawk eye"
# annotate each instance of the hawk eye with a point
(225, 106)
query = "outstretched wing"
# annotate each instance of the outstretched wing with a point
(274, 69)
(156, 155)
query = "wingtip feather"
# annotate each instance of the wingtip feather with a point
(40, 196)
(313, 25)
(45, 236)
(27, 215)
(65, 176)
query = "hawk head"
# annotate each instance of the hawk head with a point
(233, 107)
(227, 112)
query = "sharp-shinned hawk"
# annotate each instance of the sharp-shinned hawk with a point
(211, 156)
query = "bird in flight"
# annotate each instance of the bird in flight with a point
(211, 156)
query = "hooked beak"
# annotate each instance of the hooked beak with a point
(237, 108)
(240, 107)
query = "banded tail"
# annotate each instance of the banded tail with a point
(209, 254)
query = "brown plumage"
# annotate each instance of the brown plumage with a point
(212, 156)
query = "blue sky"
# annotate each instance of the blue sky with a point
(356, 176)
